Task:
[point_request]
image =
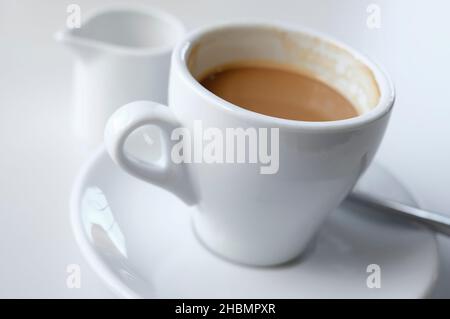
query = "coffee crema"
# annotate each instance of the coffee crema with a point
(278, 91)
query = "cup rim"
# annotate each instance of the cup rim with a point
(387, 91)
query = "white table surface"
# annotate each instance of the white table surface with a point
(40, 157)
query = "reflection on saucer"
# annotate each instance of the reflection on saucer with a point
(100, 224)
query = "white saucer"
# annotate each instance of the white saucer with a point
(139, 240)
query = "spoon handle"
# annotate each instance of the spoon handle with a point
(438, 222)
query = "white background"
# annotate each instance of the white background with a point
(39, 157)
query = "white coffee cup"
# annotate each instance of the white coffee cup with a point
(242, 214)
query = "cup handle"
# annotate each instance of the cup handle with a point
(171, 176)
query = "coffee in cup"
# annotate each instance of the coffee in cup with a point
(278, 90)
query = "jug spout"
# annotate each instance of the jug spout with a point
(83, 48)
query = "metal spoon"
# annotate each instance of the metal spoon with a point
(438, 222)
